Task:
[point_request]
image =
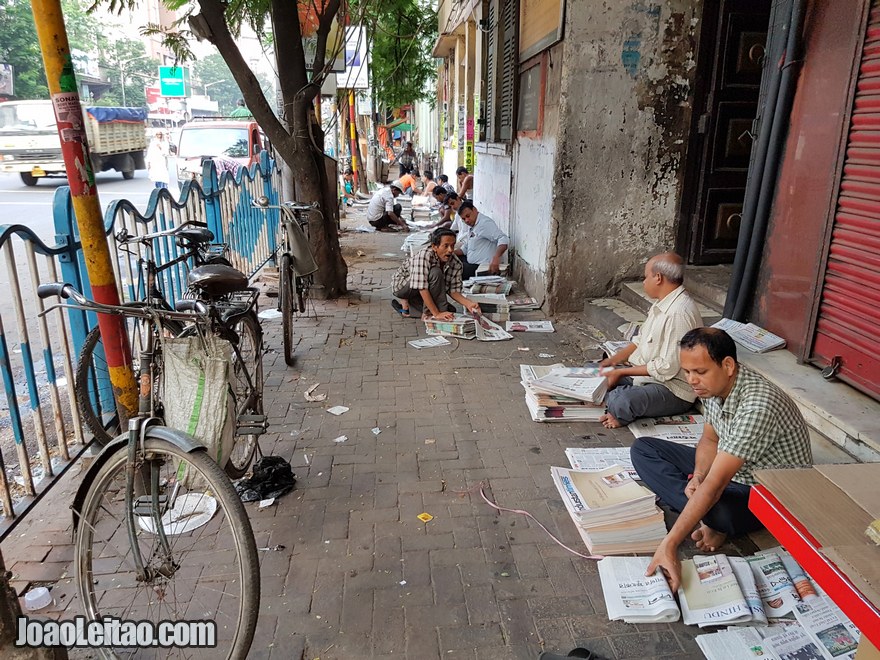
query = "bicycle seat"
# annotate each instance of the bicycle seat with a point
(195, 235)
(216, 280)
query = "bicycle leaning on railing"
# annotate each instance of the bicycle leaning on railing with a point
(161, 534)
(295, 265)
(232, 315)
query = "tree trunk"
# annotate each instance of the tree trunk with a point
(292, 135)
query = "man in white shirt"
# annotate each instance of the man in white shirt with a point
(654, 384)
(482, 241)
(382, 212)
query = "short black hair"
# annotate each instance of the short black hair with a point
(451, 195)
(349, 171)
(465, 205)
(429, 175)
(440, 190)
(717, 343)
(442, 178)
(438, 234)
(461, 170)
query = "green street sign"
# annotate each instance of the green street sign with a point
(174, 81)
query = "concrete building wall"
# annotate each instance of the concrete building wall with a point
(492, 174)
(625, 110)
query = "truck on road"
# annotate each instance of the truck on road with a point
(30, 146)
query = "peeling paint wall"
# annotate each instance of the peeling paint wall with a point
(625, 111)
(534, 167)
(492, 183)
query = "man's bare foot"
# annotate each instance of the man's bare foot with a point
(609, 421)
(708, 539)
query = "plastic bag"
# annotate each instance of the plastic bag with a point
(271, 477)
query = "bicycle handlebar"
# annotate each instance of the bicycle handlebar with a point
(122, 236)
(64, 290)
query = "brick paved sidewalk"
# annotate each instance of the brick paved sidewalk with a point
(361, 575)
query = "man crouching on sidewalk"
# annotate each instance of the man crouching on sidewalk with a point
(424, 281)
(750, 424)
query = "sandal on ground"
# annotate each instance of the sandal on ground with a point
(400, 310)
(574, 653)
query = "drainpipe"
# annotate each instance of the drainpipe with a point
(778, 133)
(61, 79)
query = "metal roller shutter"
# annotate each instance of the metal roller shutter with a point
(848, 325)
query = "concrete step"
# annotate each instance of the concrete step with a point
(835, 411)
(708, 284)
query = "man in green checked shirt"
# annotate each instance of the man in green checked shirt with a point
(750, 424)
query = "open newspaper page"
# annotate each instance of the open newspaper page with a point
(774, 585)
(829, 627)
(683, 429)
(489, 330)
(595, 459)
(749, 588)
(744, 642)
(793, 643)
(631, 596)
(709, 592)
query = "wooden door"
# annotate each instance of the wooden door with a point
(732, 51)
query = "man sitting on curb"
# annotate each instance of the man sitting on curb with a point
(430, 275)
(382, 212)
(482, 241)
(751, 424)
(654, 385)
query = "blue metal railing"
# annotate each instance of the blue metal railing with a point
(34, 391)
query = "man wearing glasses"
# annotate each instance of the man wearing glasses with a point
(483, 242)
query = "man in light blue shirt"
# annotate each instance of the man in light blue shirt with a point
(482, 242)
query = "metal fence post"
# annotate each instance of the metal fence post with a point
(213, 211)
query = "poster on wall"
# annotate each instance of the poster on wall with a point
(540, 26)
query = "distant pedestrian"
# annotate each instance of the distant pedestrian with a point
(383, 213)
(465, 183)
(406, 159)
(157, 161)
(241, 111)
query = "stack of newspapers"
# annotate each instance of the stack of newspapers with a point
(493, 306)
(547, 407)
(613, 513)
(581, 383)
(461, 326)
(522, 304)
(488, 284)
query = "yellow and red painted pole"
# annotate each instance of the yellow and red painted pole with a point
(353, 130)
(61, 78)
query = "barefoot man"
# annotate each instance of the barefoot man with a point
(751, 425)
(653, 384)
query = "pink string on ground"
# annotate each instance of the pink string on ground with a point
(538, 522)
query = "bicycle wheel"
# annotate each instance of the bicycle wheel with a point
(285, 293)
(94, 392)
(212, 571)
(248, 362)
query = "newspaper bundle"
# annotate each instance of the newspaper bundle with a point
(596, 459)
(612, 512)
(544, 407)
(582, 383)
(774, 584)
(530, 326)
(710, 592)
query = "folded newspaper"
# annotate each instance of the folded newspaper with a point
(750, 336)
(582, 383)
(683, 429)
(596, 459)
(632, 597)
(530, 326)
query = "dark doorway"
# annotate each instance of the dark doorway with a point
(731, 58)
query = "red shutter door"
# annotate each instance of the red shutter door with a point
(848, 327)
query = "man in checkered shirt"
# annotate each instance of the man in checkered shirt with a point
(424, 281)
(750, 424)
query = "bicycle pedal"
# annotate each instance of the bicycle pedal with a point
(143, 505)
(251, 424)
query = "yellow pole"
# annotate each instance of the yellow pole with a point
(60, 75)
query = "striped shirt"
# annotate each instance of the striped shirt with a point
(657, 342)
(414, 271)
(760, 424)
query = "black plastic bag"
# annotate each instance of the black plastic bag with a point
(272, 477)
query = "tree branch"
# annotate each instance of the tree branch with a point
(213, 13)
(331, 8)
